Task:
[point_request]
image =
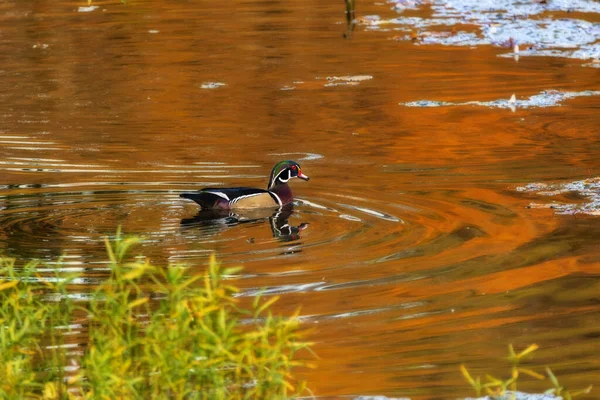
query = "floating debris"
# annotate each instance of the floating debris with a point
(355, 78)
(371, 20)
(347, 80)
(587, 188)
(523, 25)
(491, 8)
(212, 85)
(585, 52)
(330, 84)
(547, 98)
(153, 31)
(593, 64)
(87, 9)
(401, 5)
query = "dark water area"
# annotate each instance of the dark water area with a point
(412, 248)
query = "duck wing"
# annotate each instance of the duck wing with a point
(210, 198)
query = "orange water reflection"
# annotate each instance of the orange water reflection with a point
(419, 254)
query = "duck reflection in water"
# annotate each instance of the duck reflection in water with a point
(278, 220)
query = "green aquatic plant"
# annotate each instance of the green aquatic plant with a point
(152, 332)
(500, 388)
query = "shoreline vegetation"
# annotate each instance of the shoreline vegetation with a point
(164, 332)
(501, 389)
(148, 332)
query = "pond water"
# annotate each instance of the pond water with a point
(418, 243)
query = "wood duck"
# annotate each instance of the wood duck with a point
(278, 192)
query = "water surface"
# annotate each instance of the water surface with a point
(410, 250)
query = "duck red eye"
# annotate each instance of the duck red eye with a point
(293, 167)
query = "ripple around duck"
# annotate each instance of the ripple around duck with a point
(334, 243)
(324, 226)
(47, 221)
(48, 218)
(381, 244)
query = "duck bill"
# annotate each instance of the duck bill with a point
(302, 176)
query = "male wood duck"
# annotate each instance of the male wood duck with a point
(278, 192)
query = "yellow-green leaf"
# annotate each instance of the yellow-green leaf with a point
(552, 377)
(528, 350)
(582, 391)
(8, 285)
(138, 302)
(466, 374)
(136, 273)
(511, 351)
(266, 305)
(531, 373)
(494, 381)
(50, 390)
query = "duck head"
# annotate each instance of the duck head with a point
(284, 171)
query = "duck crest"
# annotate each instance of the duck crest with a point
(279, 172)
